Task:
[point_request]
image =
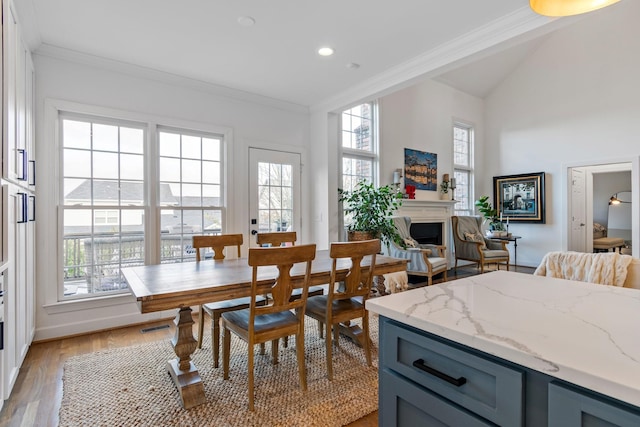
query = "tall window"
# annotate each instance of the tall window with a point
(103, 214)
(190, 190)
(463, 168)
(105, 170)
(359, 152)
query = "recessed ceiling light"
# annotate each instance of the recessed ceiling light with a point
(246, 21)
(353, 66)
(325, 51)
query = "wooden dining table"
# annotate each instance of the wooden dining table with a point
(182, 285)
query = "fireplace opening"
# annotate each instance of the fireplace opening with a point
(427, 232)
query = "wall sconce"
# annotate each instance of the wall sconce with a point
(397, 174)
(567, 7)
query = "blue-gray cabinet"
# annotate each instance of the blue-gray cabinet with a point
(429, 381)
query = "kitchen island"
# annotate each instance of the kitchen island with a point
(510, 349)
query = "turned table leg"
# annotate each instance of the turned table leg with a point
(182, 370)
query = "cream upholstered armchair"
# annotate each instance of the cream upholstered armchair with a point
(471, 245)
(424, 259)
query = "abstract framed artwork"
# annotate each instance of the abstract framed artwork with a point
(421, 169)
(520, 197)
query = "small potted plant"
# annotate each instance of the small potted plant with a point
(490, 215)
(370, 209)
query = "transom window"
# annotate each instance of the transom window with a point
(358, 145)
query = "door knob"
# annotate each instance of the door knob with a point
(254, 232)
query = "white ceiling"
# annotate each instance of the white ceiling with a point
(276, 57)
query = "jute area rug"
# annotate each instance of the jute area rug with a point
(131, 387)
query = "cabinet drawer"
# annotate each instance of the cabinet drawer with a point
(485, 387)
(573, 408)
(402, 403)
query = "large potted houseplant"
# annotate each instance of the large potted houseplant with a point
(369, 209)
(489, 213)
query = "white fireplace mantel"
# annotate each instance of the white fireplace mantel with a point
(432, 211)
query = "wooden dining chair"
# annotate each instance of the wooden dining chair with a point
(346, 297)
(278, 238)
(215, 309)
(280, 317)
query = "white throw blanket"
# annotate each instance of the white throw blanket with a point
(396, 282)
(608, 268)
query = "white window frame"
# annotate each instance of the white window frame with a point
(55, 301)
(351, 153)
(469, 169)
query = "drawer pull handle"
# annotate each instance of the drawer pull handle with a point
(455, 381)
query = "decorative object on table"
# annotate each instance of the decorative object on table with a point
(421, 169)
(452, 187)
(410, 191)
(445, 189)
(369, 211)
(490, 216)
(567, 7)
(520, 197)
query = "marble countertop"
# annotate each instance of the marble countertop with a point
(579, 332)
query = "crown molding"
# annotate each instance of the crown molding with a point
(56, 52)
(425, 65)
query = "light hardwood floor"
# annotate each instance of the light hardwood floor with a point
(36, 397)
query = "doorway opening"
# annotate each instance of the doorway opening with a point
(590, 214)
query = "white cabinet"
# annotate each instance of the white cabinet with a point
(17, 260)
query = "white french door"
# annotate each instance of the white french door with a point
(274, 191)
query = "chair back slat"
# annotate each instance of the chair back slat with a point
(284, 259)
(358, 279)
(217, 243)
(276, 238)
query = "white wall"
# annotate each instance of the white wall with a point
(169, 100)
(421, 118)
(575, 100)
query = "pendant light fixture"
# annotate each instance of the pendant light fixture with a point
(567, 7)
